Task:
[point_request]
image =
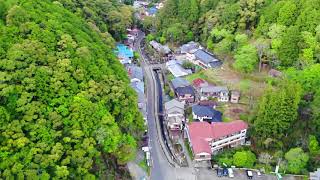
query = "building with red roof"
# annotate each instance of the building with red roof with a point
(198, 83)
(206, 139)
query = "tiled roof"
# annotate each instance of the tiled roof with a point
(208, 111)
(189, 46)
(135, 72)
(179, 82)
(138, 86)
(185, 90)
(214, 89)
(204, 56)
(208, 103)
(202, 132)
(221, 129)
(199, 82)
(201, 146)
(176, 69)
(173, 103)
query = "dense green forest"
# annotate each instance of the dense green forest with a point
(66, 109)
(285, 35)
(109, 16)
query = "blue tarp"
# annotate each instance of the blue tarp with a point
(123, 51)
(152, 10)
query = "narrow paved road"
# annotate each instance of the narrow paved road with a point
(161, 168)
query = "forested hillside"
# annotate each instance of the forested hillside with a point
(66, 109)
(283, 35)
(109, 16)
(286, 33)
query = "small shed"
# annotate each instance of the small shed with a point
(235, 96)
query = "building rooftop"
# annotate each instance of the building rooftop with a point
(138, 86)
(173, 103)
(186, 48)
(124, 52)
(235, 93)
(214, 89)
(135, 72)
(208, 103)
(199, 83)
(179, 82)
(204, 56)
(202, 132)
(181, 91)
(207, 111)
(159, 47)
(176, 69)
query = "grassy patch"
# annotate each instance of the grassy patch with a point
(221, 108)
(186, 142)
(144, 166)
(207, 75)
(226, 119)
(190, 117)
(194, 76)
(170, 77)
(188, 113)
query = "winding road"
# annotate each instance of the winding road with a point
(163, 167)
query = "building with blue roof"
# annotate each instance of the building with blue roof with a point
(179, 82)
(124, 53)
(206, 113)
(207, 60)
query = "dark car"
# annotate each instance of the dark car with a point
(219, 172)
(225, 172)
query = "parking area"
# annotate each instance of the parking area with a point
(210, 174)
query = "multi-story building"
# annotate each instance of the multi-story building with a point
(174, 113)
(185, 94)
(208, 139)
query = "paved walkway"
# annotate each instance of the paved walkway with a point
(136, 171)
(185, 151)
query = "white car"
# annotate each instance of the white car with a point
(249, 174)
(258, 173)
(230, 172)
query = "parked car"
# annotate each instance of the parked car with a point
(219, 172)
(230, 171)
(225, 172)
(249, 174)
(258, 173)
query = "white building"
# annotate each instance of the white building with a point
(219, 92)
(174, 114)
(176, 69)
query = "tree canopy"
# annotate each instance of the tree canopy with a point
(277, 110)
(290, 28)
(66, 108)
(297, 160)
(244, 159)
